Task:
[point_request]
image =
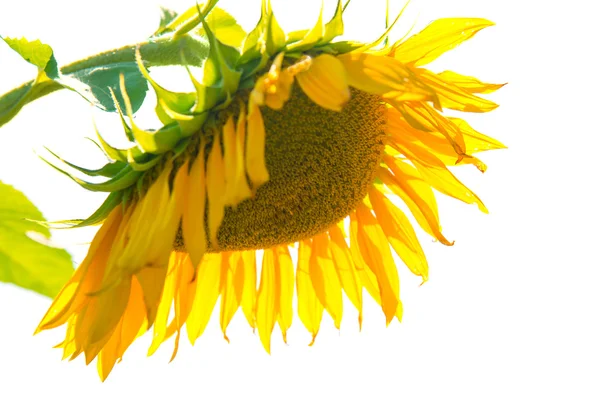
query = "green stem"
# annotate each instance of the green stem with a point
(162, 51)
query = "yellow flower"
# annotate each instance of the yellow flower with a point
(294, 143)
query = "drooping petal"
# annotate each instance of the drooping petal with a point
(284, 270)
(325, 279)
(326, 82)
(310, 309)
(345, 268)
(255, 148)
(367, 277)
(194, 232)
(207, 291)
(242, 190)
(266, 312)
(230, 161)
(166, 301)
(215, 181)
(249, 291)
(231, 290)
(375, 250)
(87, 278)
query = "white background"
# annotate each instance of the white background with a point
(510, 312)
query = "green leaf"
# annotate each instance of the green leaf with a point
(24, 261)
(94, 85)
(91, 83)
(35, 52)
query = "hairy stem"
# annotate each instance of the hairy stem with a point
(162, 51)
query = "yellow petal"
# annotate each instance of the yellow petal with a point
(255, 150)
(431, 141)
(100, 317)
(367, 278)
(265, 301)
(407, 183)
(326, 82)
(469, 83)
(215, 181)
(422, 117)
(345, 268)
(230, 292)
(134, 319)
(88, 276)
(475, 141)
(383, 76)
(194, 232)
(310, 309)
(453, 97)
(152, 281)
(375, 250)
(399, 233)
(437, 38)
(207, 291)
(242, 190)
(230, 161)
(284, 270)
(435, 173)
(164, 308)
(325, 279)
(249, 291)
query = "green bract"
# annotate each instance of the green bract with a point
(231, 63)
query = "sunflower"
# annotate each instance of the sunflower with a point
(290, 142)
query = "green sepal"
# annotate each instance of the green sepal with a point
(113, 200)
(179, 102)
(335, 27)
(108, 171)
(342, 47)
(206, 96)
(253, 66)
(274, 35)
(314, 36)
(111, 152)
(384, 36)
(155, 142)
(180, 148)
(134, 160)
(253, 47)
(296, 36)
(125, 178)
(218, 69)
(159, 141)
(124, 124)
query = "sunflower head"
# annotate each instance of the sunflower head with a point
(290, 140)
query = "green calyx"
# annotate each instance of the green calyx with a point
(231, 64)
